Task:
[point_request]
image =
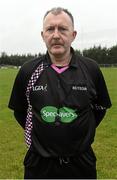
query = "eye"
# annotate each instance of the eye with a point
(62, 29)
(50, 29)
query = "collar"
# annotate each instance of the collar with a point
(73, 62)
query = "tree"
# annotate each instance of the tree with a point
(112, 55)
(97, 53)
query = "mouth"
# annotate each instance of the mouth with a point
(57, 45)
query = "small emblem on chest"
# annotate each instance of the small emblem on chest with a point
(79, 88)
(40, 88)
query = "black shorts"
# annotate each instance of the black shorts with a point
(77, 167)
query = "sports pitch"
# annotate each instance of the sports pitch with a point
(12, 146)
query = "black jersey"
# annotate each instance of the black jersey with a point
(63, 105)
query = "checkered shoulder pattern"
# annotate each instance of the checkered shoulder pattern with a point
(32, 81)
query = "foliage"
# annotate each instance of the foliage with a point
(101, 55)
(15, 60)
(97, 53)
(112, 55)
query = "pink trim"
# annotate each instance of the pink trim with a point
(59, 71)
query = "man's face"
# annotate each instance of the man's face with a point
(58, 33)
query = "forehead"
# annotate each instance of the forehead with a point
(59, 19)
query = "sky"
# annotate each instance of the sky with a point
(21, 24)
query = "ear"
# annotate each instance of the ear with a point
(74, 34)
(42, 35)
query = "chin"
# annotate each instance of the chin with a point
(57, 52)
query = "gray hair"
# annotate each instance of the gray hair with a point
(58, 10)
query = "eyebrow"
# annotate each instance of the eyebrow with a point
(55, 25)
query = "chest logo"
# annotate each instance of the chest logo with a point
(40, 88)
(79, 88)
(65, 114)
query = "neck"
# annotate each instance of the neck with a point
(62, 60)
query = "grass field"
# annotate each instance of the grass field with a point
(12, 146)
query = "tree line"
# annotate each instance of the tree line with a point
(101, 55)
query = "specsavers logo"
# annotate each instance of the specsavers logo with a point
(49, 114)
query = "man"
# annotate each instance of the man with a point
(59, 99)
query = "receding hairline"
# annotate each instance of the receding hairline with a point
(59, 10)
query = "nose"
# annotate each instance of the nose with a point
(56, 34)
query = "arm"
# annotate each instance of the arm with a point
(18, 101)
(21, 118)
(102, 102)
(99, 114)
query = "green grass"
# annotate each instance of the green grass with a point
(106, 137)
(12, 146)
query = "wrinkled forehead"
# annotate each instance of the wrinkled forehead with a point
(57, 19)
